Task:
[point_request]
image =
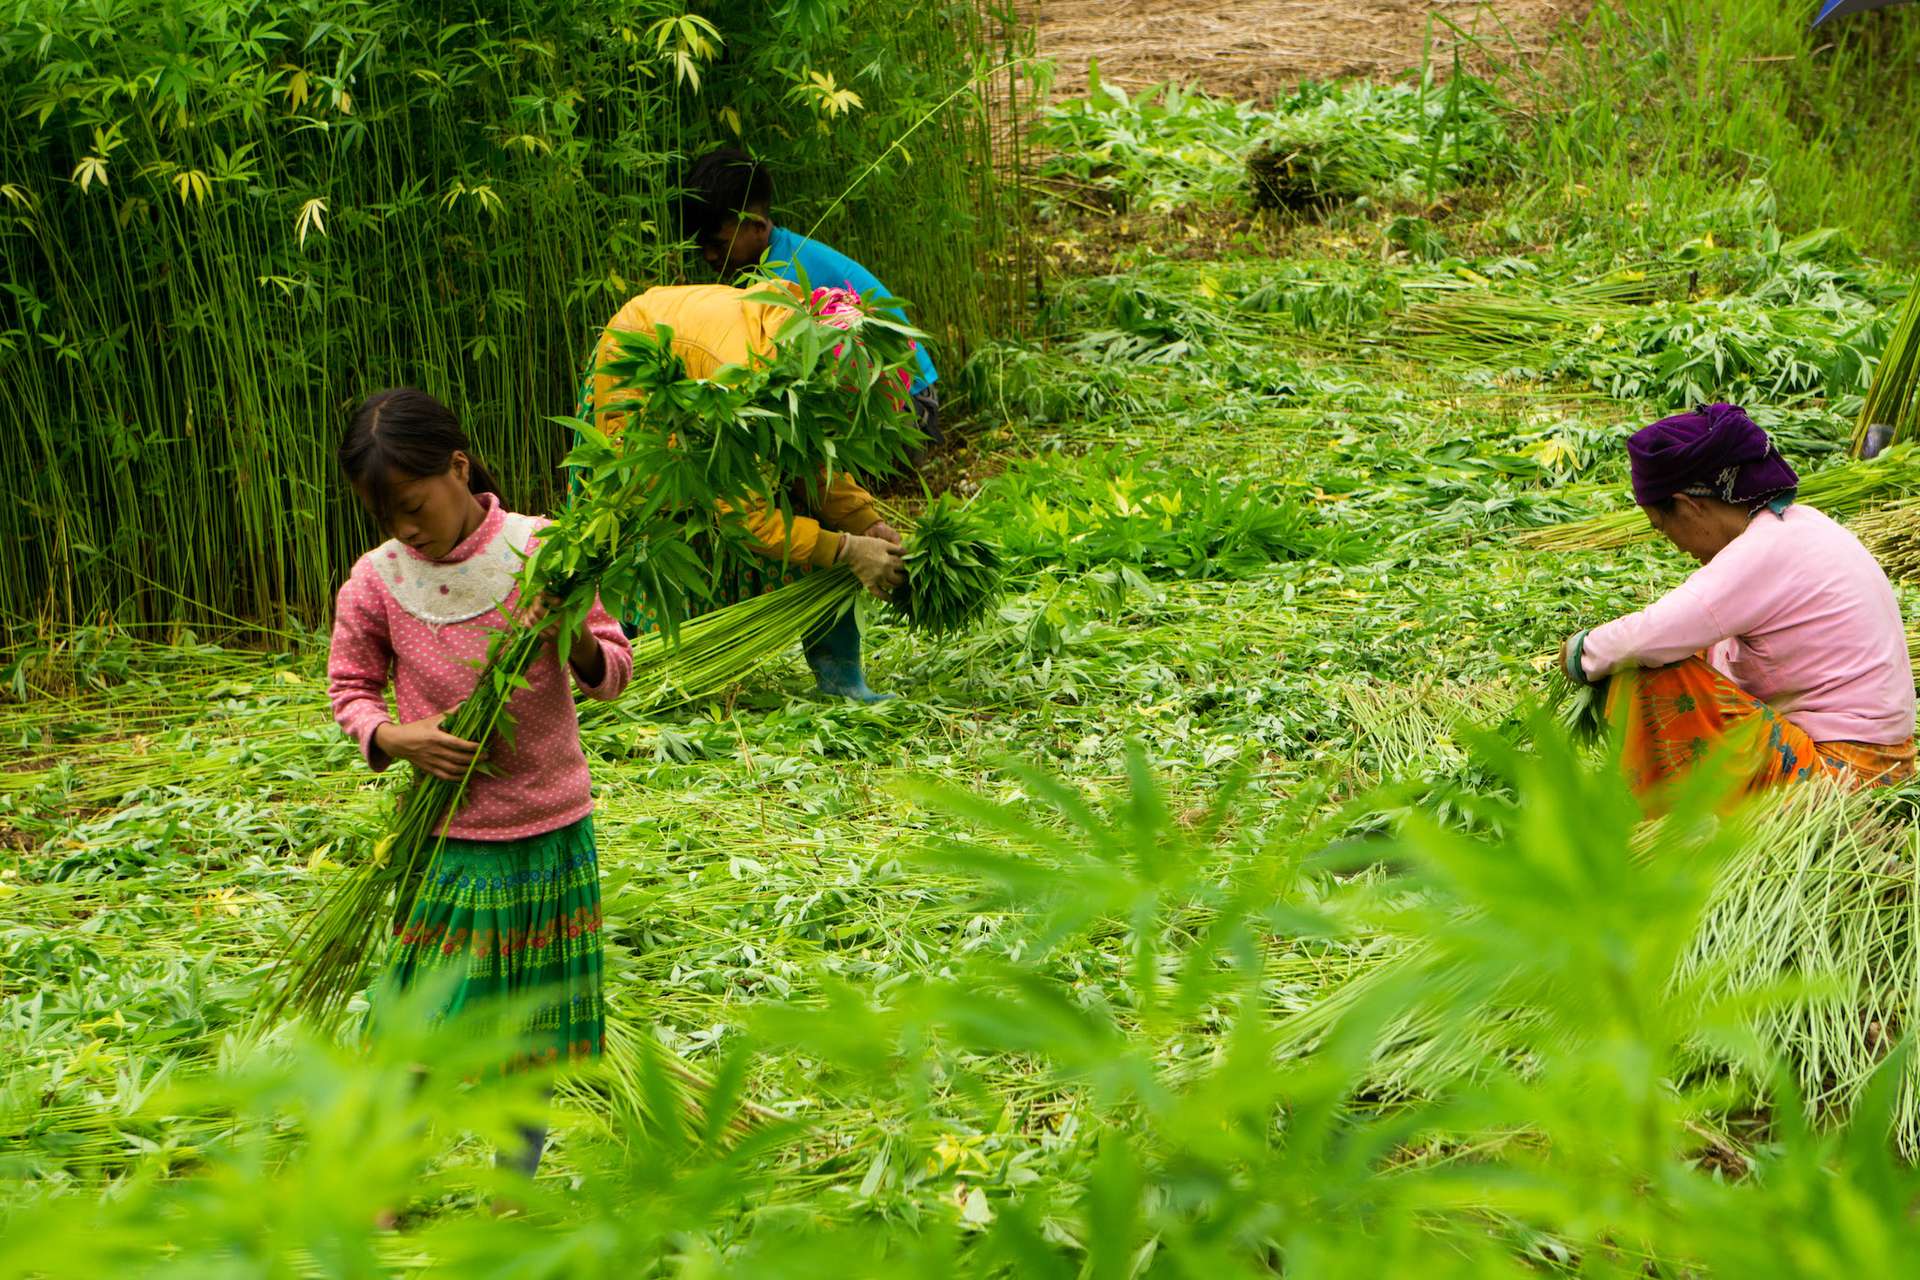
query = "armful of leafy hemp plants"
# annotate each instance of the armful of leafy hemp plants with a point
(953, 570)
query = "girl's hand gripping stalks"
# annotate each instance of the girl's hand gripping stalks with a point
(427, 747)
(583, 654)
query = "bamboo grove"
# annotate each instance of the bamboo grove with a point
(223, 221)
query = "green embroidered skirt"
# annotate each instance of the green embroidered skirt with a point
(516, 918)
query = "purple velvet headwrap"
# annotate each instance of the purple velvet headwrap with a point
(1716, 451)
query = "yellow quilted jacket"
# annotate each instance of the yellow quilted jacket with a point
(714, 325)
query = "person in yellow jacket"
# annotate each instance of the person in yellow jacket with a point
(716, 325)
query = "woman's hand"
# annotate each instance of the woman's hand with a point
(1566, 659)
(428, 748)
(876, 562)
(882, 530)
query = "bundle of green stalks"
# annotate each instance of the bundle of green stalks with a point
(1892, 533)
(953, 580)
(953, 571)
(1479, 326)
(1403, 730)
(1838, 491)
(718, 650)
(1894, 398)
(1818, 915)
(1474, 323)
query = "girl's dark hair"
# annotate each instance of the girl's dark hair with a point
(401, 431)
(721, 184)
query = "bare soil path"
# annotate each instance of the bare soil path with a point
(1260, 48)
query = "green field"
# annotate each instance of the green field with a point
(1230, 902)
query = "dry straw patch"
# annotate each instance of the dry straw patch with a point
(1260, 48)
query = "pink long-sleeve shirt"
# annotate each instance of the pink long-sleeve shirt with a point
(1797, 613)
(541, 782)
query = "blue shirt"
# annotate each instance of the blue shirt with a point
(789, 253)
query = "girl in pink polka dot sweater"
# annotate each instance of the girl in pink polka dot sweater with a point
(513, 900)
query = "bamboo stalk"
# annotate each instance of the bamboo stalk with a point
(179, 365)
(1893, 399)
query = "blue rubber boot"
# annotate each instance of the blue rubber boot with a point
(834, 654)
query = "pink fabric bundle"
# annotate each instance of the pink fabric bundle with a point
(842, 309)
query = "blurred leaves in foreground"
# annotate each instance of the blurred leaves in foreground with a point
(1571, 1112)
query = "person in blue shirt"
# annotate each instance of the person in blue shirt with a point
(726, 209)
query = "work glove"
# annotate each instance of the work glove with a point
(879, 565)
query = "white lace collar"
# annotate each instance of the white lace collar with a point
(456, 590)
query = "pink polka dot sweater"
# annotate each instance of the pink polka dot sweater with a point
(541, 783)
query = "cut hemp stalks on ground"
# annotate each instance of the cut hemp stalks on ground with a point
(1838, 491)
(1892, 534)
(1804, 943)
(646, 500)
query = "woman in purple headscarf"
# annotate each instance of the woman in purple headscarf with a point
(1787, 639)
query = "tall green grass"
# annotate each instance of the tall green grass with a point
(222, 223)
(922, 183)
(1647, 107)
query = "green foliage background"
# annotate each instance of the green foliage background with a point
(222, 222)
(1645, 106)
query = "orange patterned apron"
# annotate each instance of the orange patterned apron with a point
(1676, 716)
